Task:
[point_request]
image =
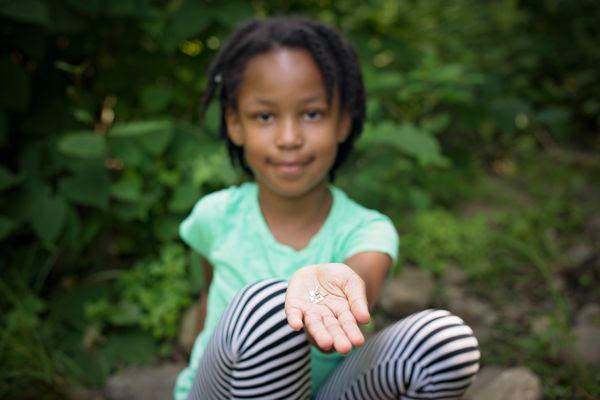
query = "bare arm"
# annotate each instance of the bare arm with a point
(372, 267)
(203, 299)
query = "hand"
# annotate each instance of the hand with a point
(333, 322)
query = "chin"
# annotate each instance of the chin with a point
(291, 190)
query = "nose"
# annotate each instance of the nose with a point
(289, 134)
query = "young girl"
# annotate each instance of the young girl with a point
(294, 265)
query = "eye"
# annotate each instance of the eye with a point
(313, 115)
(264, 117)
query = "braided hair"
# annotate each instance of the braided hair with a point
(335, 58)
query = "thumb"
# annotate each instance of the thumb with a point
(356, 293)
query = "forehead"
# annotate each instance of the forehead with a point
(283, 76)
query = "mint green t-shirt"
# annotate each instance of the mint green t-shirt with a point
(228, 229)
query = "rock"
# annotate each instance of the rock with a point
(579, 253)
(484, 377)
(588, 315)
(541, 324)
(477, 314)
(592, 229)
(454, 276)
(505, 384)
(187, 329)
(471, 309)
(587, 344)
(83, 393)
(148, 383)
(409, 293)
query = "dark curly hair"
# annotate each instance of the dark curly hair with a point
(335, 58)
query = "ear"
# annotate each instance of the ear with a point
(234, 127)
(344, 127)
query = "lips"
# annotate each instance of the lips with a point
(290, 166)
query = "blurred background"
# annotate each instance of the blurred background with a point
(481, 144)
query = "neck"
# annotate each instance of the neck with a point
(308, 209)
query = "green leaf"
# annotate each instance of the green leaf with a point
(89, 186)
(155, 98)
(32, 11)
(126, 314)
(6, 226)
(129, 347)
(128, 188)
(504, 112)
(68, 305)
(556, 119)
(122, 8)
(166, 227)
(230, 13)
(190, 18)
(183, 198)
(48, 216)
(408, 139)
(156, 143)
(8, 179)
(436, 124)
(212, 119)
(83, 145)
(126, 150)
(63, 19)
(141, 128)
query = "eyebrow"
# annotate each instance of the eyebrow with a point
(305, 101)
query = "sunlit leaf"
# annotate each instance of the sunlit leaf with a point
(83, 144)
(128, 188)
(141, 128)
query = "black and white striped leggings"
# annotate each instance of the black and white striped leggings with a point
(254, 354)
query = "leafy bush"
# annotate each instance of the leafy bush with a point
(103, 156)
(152, 295)
(437, 238)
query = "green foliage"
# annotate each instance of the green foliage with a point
(437, 238)
(152, 295)
(103, 157)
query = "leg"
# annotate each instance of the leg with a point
(253, 352)
(428, 355)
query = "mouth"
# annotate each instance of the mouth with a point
(290, 166)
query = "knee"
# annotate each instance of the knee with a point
(257, 313)
(257, 299)
(431, 333)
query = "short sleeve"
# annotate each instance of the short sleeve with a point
(376, 233)
(199, 229)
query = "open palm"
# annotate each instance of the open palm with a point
(333, 322)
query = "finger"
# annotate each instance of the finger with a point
(351, 329)
(340, 340)
(356, 293)
(294, 317)
(314, 324)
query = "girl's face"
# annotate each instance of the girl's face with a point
(288, 131)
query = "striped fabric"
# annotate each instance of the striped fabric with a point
(254, 354)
